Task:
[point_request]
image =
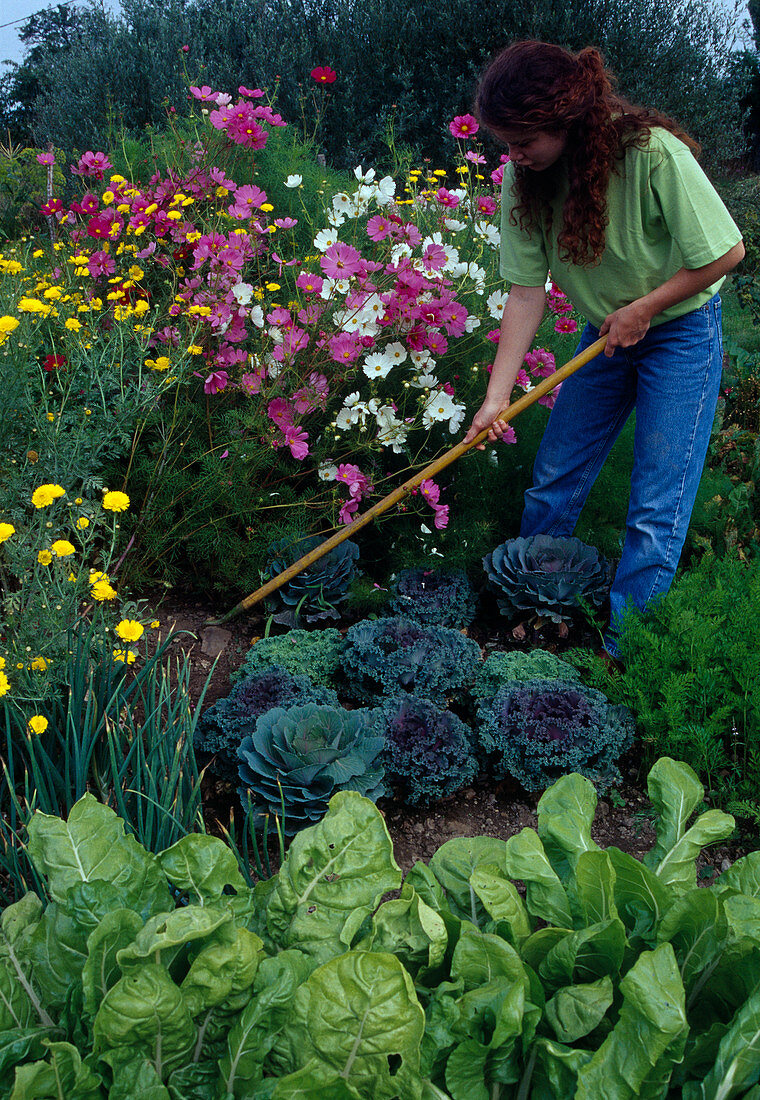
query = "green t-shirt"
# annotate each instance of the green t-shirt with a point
(663, 214)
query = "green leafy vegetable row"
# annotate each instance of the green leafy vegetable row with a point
(167, 977)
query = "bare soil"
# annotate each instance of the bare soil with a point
(492, 807)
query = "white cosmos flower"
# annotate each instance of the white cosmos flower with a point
(395, 352)
(424, 381)
(342, 203)
(422, 358)
(362, 176)
(325, 239)
(330, 287)
(495, 303)
(294, 181)
(376, 365)
(490, 233)
(243, 293)
(399, 251)
(385, 191)
(440, 406)
(453, 225)
(335, 218)
(256, 315)
(471, 323)
(326, 471)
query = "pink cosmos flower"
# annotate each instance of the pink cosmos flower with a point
(509, 435)
(522, 380)
(254, 93)
(46, 158)
(216, 381)
(101, 263)
(346, 347)
(247, 199)
(347, 509)
(437, 343)
(251, 381)
(53, 207)
(565, 324)
(559, 305)
(549, 398)
(378, 228)
(312, 284)
(340, 261)
(454, 318)
(540, 362)
(352, 476)
(203, 93)
(434, 257)
(323, 74)
(441, 516)
(486, 204)
(464, 126)
(297, 439)
(430, 491)
(493, 335)
(313, 395)
(497, 175)
(286, 223)
(445, 198)
(92, 164)
(280, 411)
(475, 158)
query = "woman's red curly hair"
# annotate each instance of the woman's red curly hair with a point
(537, 86)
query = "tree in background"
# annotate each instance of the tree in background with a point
(405, 68)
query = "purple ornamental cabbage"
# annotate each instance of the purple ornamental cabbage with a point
(428, 752)
(539, 730)
(546, 576)
(434, 597)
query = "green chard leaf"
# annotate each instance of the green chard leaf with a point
(223, 968)
(145, 1014)
(555, 1070)
(333, 878)
(409, 929)
(22, 1001)
(92, 845)
(163, 937)
(101, 970)
(135, 1078)
(546, 897)
(350, 1018)
(502, 902)
(453, 865)
(593, 887)
(586, 955)
(479, 958)
(675, 792)
(20, 1044)
(64, 1076)
(737, 1064)
(697, 928)
(565, 816)
(577, 1009)
(637, 1057)
(641, 898)
(743, 877)
(202, 867)
(306, 1084)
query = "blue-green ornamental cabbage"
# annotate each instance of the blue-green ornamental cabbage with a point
(546, 576)
(313, 595)
(298, 757)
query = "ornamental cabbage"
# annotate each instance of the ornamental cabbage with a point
(224, 726)
(543, 729)
(310, 596)
(388, 656)
(296, 759)
(546, 576)
(428, 752)
(434, 597)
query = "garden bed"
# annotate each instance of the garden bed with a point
(488, 807)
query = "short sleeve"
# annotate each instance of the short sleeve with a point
(522, 255)
(691, 208)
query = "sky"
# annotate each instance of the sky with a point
(12, 10)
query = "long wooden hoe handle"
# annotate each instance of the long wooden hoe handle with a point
(404, 490)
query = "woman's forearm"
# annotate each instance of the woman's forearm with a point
(523, 313)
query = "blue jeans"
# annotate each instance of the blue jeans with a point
(672, 378)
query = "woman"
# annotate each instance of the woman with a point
(609, 198)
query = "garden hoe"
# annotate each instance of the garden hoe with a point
(404, 490)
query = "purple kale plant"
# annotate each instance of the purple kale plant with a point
(428, 752)
(540, 730)
(434, 597)
(229, 721)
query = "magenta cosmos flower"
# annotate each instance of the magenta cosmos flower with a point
(323, 74)
(464, 126)
(46, 158)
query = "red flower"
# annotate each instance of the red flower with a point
(53, 362)
(324, 75)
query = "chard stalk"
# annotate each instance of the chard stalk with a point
(44, 1018)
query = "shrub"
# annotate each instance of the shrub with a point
(434, 597)
(428, 751)
(312, 595)
(389, 656)
(297, 758)
(545, 576)
(502, 669)
(315, 654)
(540, 730)
(692, 675)
(229, 721)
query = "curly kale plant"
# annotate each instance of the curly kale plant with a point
(548, 577)
(541, 730)
(390, 656)
(298, 758)
(224, 725)
(434, 597)
(428, 752)
(312, 595)
(312, 653)
(500, 669)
